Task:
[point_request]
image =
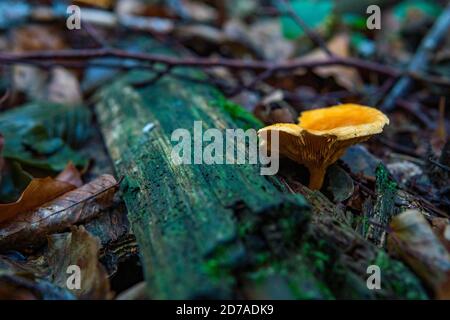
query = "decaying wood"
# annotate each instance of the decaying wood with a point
(114, 231)
(216, 231)
(349, 255)
(195, 224)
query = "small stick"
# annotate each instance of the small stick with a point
(422, 57)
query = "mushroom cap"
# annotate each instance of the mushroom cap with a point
(323, 135)
(346, 121)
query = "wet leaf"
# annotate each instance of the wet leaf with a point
(79, 248)
(73, 207)
(415, 242)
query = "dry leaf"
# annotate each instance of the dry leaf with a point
(26, 280)
(38, 192)
(57, 85)
(415, 242)
(346, 77)
(28, 79)
(71, 208)
(34, 37)
(441, 227)
(79, 248)
(70, 175)
(63, 87)
(264, 37)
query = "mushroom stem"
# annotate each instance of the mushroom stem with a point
(316, 177)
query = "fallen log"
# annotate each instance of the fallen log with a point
(225, 231)
(196, 225)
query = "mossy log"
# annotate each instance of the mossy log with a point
(225, 231)
(196, 225)
(339, 256)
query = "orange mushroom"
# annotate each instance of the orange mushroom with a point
(322, 136)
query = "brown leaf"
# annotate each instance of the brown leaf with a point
(40, 191)
(26, 280)
(71, 208)
(346, 77)
(79, 248)
(414, 241)
(34, 37)
(441, 227)
(58, 84)
(70, 175)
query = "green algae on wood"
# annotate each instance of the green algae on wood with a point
(187, 218)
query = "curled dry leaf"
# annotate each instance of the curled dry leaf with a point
(25, 279)
(73, 207)
(414, 241)
(79, 248)
(40, 191)
(70, 175)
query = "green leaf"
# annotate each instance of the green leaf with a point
(315, 13)
(355, 20)
(426, 8)
(42, 135)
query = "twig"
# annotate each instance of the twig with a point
(440, 165)
(414, 109)
(422, 57)
(52, 58)
(257, 65)
(399, 148)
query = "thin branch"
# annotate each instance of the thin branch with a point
(256, 65)
(65, 57)
(421, 59)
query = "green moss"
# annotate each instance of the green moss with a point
(403, 284)
(241, 117)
